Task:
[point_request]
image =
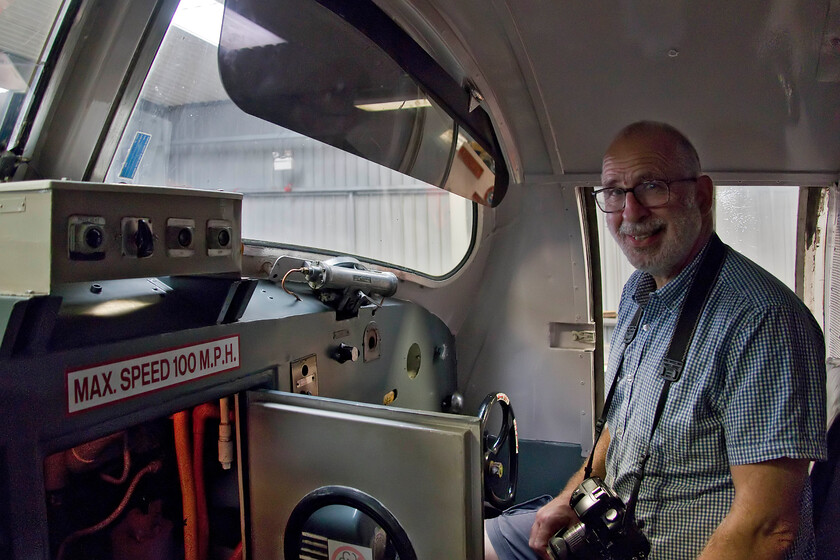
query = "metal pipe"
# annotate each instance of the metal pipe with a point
(200, 416)
(185, 472)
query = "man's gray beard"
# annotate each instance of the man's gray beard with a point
(676, 248)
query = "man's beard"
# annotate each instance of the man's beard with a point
(680, 234)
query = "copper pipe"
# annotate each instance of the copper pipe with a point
(183, 452)
(200, 416)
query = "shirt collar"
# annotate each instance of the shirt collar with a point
(673, 293)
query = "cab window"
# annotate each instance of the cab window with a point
(298, 192)
(26, 30)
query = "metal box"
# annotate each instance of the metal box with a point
(59, 232)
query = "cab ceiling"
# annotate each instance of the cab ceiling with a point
(755, 84)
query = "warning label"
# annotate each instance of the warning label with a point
(343, 551)
(90, 387)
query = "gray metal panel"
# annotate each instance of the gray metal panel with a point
(275, 330)
(412, 229)
(538, 276)
(424, 468)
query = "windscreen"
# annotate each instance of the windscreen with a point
(298, 192)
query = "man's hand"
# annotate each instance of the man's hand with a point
(553, 516)
(558, 514)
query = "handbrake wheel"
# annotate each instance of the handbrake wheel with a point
(492, 446)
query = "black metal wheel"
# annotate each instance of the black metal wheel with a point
(499, 476)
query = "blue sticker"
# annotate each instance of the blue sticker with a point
(135, 154)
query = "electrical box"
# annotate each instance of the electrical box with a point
(59, 232)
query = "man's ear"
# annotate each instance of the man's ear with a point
(705, 194)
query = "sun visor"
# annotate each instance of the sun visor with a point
(342, 72)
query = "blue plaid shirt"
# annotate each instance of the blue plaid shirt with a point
(753, 389)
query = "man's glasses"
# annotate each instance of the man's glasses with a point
(650, 194)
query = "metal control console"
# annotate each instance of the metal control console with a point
(58, 232)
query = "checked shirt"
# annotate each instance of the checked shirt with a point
(752, 389)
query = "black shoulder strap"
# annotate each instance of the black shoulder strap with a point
(698, 294)
(674, 361)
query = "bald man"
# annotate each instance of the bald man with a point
(727, 475)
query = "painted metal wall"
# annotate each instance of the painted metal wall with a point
(532, 293)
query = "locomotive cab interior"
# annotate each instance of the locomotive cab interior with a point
(324, 279)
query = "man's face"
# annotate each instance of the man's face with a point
(660, 241)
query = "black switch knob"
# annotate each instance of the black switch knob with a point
(185, 237)
(94, 237)
(144, 240)
(345, 352)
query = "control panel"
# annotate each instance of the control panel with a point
(58, 232)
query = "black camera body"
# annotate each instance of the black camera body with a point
(605, 531)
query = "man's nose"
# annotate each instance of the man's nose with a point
(633, 209)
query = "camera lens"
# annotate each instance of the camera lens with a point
(567, 542)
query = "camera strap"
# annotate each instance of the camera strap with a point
(672, 365)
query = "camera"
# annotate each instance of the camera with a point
(607, 531)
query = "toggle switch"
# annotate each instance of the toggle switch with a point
(138, 239)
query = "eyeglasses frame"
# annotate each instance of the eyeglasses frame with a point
(633, 190)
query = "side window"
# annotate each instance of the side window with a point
(25, 31)
(760, 222)
(185, 131)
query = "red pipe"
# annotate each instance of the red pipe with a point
(185, 472)
(200, 415)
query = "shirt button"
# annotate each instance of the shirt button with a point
(645, 327)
